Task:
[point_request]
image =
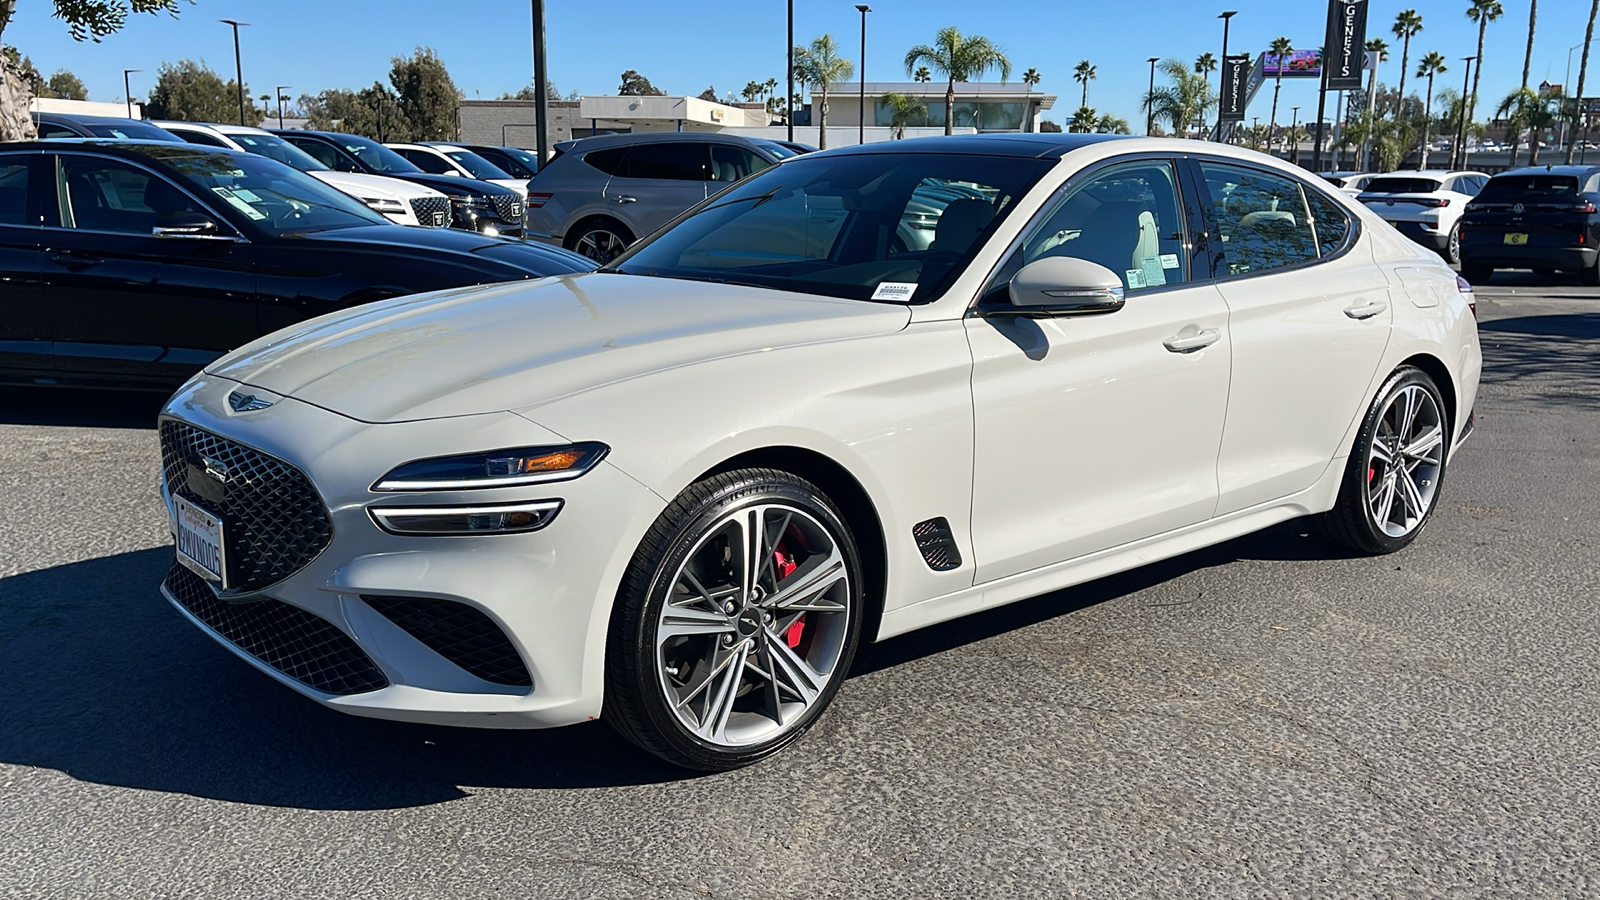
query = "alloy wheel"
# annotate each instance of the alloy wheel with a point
(754, 625)
(1405, 461)
(600, 245)
(1455, 245)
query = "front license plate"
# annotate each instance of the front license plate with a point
(200, 546)
(1516, 239)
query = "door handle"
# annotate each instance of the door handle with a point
(624, 198)
(75, 261)
(1366, 311)
(1189, 342)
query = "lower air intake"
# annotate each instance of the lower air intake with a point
(937, 545)
(460, 633)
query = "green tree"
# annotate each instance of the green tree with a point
(958, 58)
(1204, 65)
(64, 85)
(427, 97)
(636, 85)
(1482, 12)
(1588, 37)
(1031, 78)
(190, 92)
(527, 92)
(1083, 73)
(1526, 110)
(1428, 67)
(819, 66)
(1109, 124)
(1083, 121)
(1048, 127)
(1406, 25)
(904, 111)
(1281, 48)
(752, 91)
(1182, 102)
(1527, 61)
(709, 94)
(923, 76)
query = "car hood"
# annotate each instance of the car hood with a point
(380, 187)
(535, 259)
(515, 346)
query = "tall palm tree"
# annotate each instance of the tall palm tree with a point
(1483, 12)
(1083, 121)
(923, 75)
(1429, 66)
(903, 110)
(1204, 65)
(1406, 24)
(1522, 92)
(958, 58)
(1084, 73)
(1584, 67)
(819, 66)
(1281, 48)
(1183, 101)
(1030, 78)
(1380, 47)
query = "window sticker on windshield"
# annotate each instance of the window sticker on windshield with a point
(1154, 275)
(246, 196)
(898, 291)
(1135, 278)
(239, 203)
(1169, 260)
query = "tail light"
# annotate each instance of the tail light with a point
(1581, 208)
(1436, 202)
(1465, 287)
(537, 201)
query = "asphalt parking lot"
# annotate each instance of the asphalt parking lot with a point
(1263, 718)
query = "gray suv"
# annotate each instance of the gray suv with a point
(598, 195)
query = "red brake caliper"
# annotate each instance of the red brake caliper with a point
(783, 565)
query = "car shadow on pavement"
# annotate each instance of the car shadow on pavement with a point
(83, 408)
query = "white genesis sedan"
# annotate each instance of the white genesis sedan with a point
(679, 492)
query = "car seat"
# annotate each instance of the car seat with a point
(960, 224)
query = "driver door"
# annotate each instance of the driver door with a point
(133, 308)
(1099, 430)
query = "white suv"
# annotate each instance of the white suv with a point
(398, 201)
(450, 159)
(1425, 205)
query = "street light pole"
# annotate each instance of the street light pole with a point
(861, 130)
(1149, 104)
(238, 68)
(279, 91)
(1458, 153)
(1227, 18)
(1294, 139)
(127, 93)
(541, 85)
(1566, 85)
(788, 98)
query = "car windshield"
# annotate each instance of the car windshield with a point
(886, 227)
(475, 165)
(1402, 186)
(376, 157)
(132, 130)
(529, 160)
(273, 147)
(275, 198)
(1529, 187)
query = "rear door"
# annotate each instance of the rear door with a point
(657, 182)
(25, 326)
(131, 307)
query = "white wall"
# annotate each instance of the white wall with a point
(83, 108)
(838, 136)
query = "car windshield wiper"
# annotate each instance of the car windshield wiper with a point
(759, 199)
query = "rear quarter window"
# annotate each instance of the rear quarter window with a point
(611, 162)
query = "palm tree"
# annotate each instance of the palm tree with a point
(1431, 65)
(1281, 48)
(1084, 73)
(1109, 124)
(819, 66)
(1204, 65)
(1083, 121)
(752, 90)
(904, 110)
(1524, 109)
(1527, 61)
(1380, 47)
(923, 75)
(1186, 99)
(1587, 37)
(1030, 78)
(958, 58)
(1483, 12)
(1406, 24)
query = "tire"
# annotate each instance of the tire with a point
(600, 239)
(1476, 275)
(1452, 246)
(1364, 517)
(690, 648)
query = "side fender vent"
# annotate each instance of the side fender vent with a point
(937, 544)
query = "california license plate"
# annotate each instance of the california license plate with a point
(1516, 239)
(200, 545)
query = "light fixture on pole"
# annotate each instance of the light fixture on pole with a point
(238, 68)
(1227, 18)
(541, 85)
(127, 93)
(279, 91)
(1458, 153)
(1149, 100)
(788, 98)
(861, 130)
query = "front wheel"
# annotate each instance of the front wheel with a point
(736, 622)
(1391, 483)
(1452, 246)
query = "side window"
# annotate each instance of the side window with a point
(14, 191)
(1329, 221)
(729, 163)
(676, 161)
(611, 162)
(1126, 218)
(107, 195)
(1262, 219)
(55, 133)
(320, 152)
(428, 162)
(195, 137)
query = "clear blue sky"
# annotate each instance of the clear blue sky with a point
(683, 47)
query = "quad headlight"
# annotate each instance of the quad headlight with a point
(495, 468)
(489, 518)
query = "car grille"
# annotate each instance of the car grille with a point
(458, 632)
(508, 208)
(300, 644)
(433, 212)
(273, 521)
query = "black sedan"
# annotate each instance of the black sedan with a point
(1542, 218)
(132, 265)
(60, 126)
(475, 205)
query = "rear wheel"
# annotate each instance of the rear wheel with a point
(1452, 245)
(602, 240)
(1391, 483)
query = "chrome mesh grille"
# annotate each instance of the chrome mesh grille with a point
(433, 212)
(300, 644)
(273, 520)
(508, 207)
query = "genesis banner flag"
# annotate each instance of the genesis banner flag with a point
(1235, 81)
(1346, 47)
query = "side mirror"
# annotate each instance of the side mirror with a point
(184, 225)
(1066, 286)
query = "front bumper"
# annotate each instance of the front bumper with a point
(486, 221)
(549, 592)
